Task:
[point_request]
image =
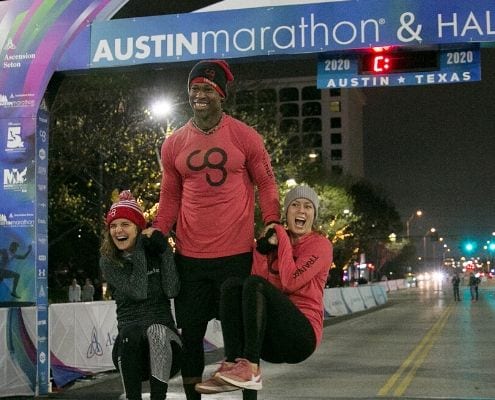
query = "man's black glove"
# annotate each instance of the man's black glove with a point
(157, 243)
(263, 246)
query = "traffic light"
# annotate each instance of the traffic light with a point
(469, 246)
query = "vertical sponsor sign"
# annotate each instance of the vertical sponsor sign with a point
(41, 164)
(17, 181)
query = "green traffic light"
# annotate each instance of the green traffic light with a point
(469, 246)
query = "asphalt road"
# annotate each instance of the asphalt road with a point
(421, 345)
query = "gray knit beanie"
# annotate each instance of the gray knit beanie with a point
(301, 192)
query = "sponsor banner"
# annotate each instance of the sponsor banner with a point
(295, 29)
(41, 246)
(33, 38)
(17, 213)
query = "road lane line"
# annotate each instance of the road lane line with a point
(416, 357)
(406, 381)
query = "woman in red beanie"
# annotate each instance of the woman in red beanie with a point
(148, 346)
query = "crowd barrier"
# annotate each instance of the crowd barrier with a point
(347, 300)
(81, 336)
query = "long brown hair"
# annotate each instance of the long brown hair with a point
(109, 249)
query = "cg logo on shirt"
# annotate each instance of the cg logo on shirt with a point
(210, 154)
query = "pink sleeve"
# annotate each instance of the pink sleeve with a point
(313, 257)
(170, 190)
(260, 170)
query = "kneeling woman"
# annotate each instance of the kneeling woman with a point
(147, 346)
(276, 314)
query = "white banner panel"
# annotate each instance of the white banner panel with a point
(380, 294)
(353, 299)
(82, 334)
(17, 368)
(334, 303)
(392, 285)
(367, 295)
(384, 285)
(401, 284)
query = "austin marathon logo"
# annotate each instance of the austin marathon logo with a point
(15, 179)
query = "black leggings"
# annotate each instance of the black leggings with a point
(260, 322)
(131, 356)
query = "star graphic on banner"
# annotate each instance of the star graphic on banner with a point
(401, 80)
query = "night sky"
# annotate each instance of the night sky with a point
(433, 148)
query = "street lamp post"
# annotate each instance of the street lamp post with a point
(418, 214)
(428, 233)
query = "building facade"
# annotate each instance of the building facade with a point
(327, 123)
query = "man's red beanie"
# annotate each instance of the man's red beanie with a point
(216, 73)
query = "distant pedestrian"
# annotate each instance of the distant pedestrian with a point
(455, 285)
(74, 292)
(88, 291)
(474, 281)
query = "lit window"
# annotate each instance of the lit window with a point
(335, 106)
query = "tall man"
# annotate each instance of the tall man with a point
(211, 167)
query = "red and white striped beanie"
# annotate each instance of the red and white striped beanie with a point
(128, 208)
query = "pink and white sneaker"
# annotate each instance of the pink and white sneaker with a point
(241, 375)
(215, 384)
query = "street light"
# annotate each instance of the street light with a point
(428, 233)
(418, 214)
(162, 108)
